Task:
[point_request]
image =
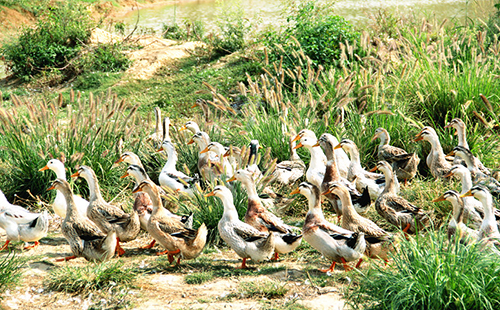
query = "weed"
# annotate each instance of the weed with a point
(263, 289)
(198, 278)
(10, 271)
(428, 272)
(92, 277)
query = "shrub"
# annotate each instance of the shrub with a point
(55, 40)
(430, 273)
(189, 31)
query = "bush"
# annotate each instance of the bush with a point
(232, 30)
(189, 31)
(56, 39)
(430, 273)
(313, 30)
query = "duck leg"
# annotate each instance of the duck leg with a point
(329, 269)
(65, 259)
(359, 263)
(405, 230)
(119, 250)
(243, 264)
(5, 245)
(149, 246)
(346, 266)
(162, 253)
(32, 246)
(276, 256)
(171, 255)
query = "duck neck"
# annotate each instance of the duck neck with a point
(354, 154)
(466, 181)
(488, 208)
(250, 188)
(384, 140)
(317, 158)
(95, 191)
(171, 161)
(158, 121)
(156, 201)
(166, 129)
(230, 212)
(462, 138)
(60, 172)
(71, 210)
(390, 185)
(458, 210)
(348, 210)
(293, 152)
(315, 205)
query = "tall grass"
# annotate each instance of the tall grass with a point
(76, 130)
(430, 273)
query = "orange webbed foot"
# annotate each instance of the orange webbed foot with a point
(332, 267)
(243, 264)
(276, 256)
(32, 246)
(65, 259)
(162, 253)
(149, 246)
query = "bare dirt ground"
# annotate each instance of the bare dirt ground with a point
(163, 287)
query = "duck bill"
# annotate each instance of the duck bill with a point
(182, 128)
(191, 141)
(374, 137)
(137, 190)
(469, 193)
(210, 194)
(44, 168)
(418, 138)
(295, 191)
(452, 153)
(447, 126)
(51, 188)
(75, 175)
(160, 149)
(327, 192)
(227, 154)
(297, 137)
(119, 160)
(194, 106)
(449, 174)
(204, 151)
(317, 144)
(298, 146)
(440, 198)
(124, 176)
(373, 169)
(232, 179)
(338, 146)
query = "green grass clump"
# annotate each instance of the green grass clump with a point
(93, 277)
(10, 271)
(198, 277)
(430, 273)
(263, 289)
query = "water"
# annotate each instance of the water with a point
(268, 12)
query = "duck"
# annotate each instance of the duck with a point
(22, 225)
(233, 155)
(170, 232)
(488, 232)
(257, 216)
(317, 165)
(59, 203)
(461, 132)
(456, 226)
(335, 243)
(170, 177)
(405, 164)
(287, 172)
(473, 208)
(107, 216)
(245, 240)
(477, 176)
(206, 161)
(191, 126)
(253, 160)
(84, 237)
(397, 210)
(382, 241)
(130, 158)
(374, 181)
(225, 166)
(436, 160)
(360, 201)
(157, 136)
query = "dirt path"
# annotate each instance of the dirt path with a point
(164, 287)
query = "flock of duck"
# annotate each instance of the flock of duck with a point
(95, 228)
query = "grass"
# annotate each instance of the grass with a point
(429, 272)
(198, 278)
(269, 289)
(90, 278)
(10, 271)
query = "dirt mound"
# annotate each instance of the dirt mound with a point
(12, 20)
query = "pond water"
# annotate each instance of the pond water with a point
(265, 12)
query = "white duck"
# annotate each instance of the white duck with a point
(170, 177)
(19, 226)
(191, 126)
(436, 160)
(219, 150)
(59, 203)
(157, 136)
(244, 239)
(317, 165)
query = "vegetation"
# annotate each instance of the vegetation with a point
(10, 271)
(429, 272)
(91, 278)
(263, 289)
